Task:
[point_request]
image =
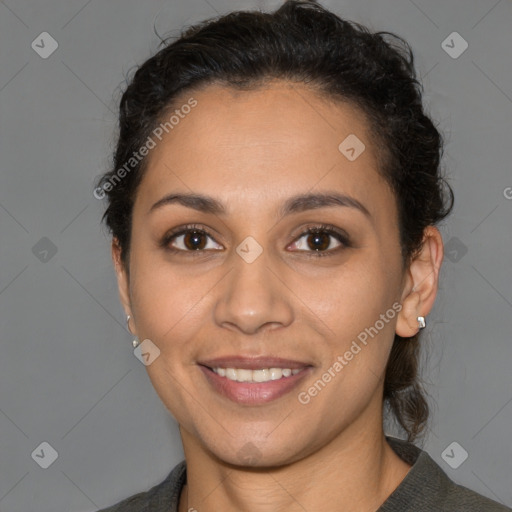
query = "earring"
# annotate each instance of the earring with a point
(421, 322)
(135, 343)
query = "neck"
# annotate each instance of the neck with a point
(356, 471)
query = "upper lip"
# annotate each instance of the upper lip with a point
(253, 363)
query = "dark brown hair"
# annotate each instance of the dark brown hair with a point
(302, 42)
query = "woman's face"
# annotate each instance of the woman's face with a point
(255, 291)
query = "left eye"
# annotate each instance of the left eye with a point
(319, 241)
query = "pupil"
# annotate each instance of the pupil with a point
(318, 240)
(195, 239)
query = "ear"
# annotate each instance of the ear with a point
(421, 283)
(122, 282)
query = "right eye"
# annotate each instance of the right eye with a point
(187, 239)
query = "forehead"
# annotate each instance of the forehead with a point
(278, 139)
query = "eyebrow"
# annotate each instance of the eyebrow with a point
(294, 204)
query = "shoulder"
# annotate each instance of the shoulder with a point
(427, 488)
(459, 498)
(163, 497)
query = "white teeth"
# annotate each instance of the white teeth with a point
(275, 373)
(244, 375)
(263, 375)
(231, 374)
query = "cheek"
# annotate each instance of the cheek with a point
(355, 295)
(166, 301)
(358, 308)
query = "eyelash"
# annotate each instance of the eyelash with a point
(310, 230)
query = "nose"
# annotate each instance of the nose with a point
(253, 297)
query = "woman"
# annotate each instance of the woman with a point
(273, 205)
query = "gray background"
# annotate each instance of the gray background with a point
(68, 376)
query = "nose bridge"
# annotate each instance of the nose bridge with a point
(252, 296)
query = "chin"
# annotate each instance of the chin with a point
(255, 453)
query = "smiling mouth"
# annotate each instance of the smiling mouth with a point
(253, 381)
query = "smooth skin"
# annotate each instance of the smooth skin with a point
(251, 151)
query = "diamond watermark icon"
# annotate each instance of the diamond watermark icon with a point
(146, 352)
(44, 250)
(351, 147)
(249, 454)
(454, 455)
(455, 250)
(249, 249)
(45, 455)
(454, 45)
(44, 45)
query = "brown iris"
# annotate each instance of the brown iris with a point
(194, 240)
(318, 238)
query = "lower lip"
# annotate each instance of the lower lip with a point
(253, 393)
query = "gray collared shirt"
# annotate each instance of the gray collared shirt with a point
(426, 488)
